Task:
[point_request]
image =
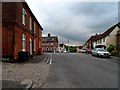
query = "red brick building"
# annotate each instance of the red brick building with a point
(50, 43)
(118, 41)
(20, 30)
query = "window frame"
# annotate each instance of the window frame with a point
(24, 16)
(23, 42)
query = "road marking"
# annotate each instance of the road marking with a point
(50, 61)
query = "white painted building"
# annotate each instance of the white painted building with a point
(108, 37)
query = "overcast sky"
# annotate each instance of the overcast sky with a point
(74, 20)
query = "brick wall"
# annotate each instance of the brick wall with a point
(12, 29)
(49, 46)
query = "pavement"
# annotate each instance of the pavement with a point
(25, 75)
(117, 58)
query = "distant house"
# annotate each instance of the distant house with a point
(68, 45)
(21, 32)
(104, 39)
(90, 43)
(118, 40)
(50, 43)
(61, 48)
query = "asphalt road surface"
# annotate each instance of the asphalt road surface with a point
(71, 70)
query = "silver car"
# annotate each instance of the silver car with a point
(100, 52)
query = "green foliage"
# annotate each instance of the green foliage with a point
(111, 48)
(114, 53)
(73, 49)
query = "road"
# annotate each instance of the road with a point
(71, 70)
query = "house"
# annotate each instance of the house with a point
(105, 39)
(61, 48)
(69, 45)
(50, 43)
(21, 32)
(108, 37)
(90, 42)
(118, 41)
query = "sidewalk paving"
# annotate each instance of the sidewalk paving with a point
(118, 58)
(34, 69)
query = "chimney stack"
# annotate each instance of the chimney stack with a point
(48, 34)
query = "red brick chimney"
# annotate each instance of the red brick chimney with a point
(48, 34)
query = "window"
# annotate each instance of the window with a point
(47, 49)
(24, 15)
(30, 23)
(34, 45)
(100, 40)
(43, 44)
(23, 42)
(52, 44)
(34, 27)
(103, 39)
(52, 39)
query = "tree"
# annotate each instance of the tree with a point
(73, 49)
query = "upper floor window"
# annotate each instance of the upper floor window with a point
(34, 27)
(51, 44)
(103, 39)
(24, 15)
(30, 23)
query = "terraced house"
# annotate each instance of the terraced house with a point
(21, 32)
(50, 43)
(110, 36)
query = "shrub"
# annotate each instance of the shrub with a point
(110, 48)
(114, 53)
(73, 49)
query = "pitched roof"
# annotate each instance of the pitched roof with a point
(94, 38)
(50, 39)
(108, 31)
(25, 3)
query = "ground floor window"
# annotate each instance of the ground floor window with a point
(47, 49)
(23, 42)
(34, 44)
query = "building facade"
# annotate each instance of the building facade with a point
(62, 48)
(50, 43)
(105, 39)
(20, 30)
(118, 41)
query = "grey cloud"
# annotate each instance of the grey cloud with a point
(77, 20)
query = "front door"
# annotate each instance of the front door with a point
(30, 46)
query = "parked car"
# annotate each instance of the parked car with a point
(100, 52)
(88, 51)
(82, 50)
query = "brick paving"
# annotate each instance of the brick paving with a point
(35, 70)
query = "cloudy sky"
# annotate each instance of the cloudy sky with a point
(73, 19)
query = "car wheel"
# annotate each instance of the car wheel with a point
(98, 55)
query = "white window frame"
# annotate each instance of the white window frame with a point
(24, 14)
(30, 23)
(34, 28)
(51, 44)
(34, 44)
(23, 42)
